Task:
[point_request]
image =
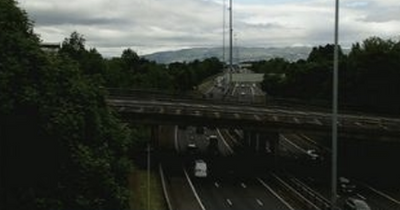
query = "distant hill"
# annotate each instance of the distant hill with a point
(245, 54)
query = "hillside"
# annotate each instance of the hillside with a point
(244, 54)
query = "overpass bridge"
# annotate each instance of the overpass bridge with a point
(165, 109)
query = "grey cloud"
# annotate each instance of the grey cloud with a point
(383, 15)
(57, 18)
(160, 24)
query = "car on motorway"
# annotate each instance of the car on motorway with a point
(312, 153)
(213, 145)
(242, 93)
(346, 186)
(356, 204)
(200, 168)
(192, 149)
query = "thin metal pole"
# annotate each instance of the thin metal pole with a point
(230, 42)
(223, 31)
(148, 176)
(335, 110)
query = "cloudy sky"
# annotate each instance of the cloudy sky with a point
(148, 26)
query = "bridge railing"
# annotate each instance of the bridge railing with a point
(192, 96)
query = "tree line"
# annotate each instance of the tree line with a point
(369, 76)
(131, 71)
(61, 146)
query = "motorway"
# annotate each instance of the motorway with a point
(301, 181)
(228, 190)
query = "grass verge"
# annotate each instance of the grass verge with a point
(138, 185)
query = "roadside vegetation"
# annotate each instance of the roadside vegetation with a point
(61, 146)
(368, 76)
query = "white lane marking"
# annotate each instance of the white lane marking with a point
(382, 194)
(243, 185)
(164, 187)
(223, 140)
(194, 191)
(360, 196)
(257, 117)
(230, 136)
(259, 202)
(233, 91)
(176, 139)
(229, 201)
(252, 91)
(216, 184)
(209, 90)
(358, 124)
(275, 194)
(293, 144)
(317, 121)
(308, 202)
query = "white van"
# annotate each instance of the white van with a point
(200, 168)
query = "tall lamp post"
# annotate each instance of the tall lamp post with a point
(230, 42)
(335, 109)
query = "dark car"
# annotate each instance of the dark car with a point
(346, 186)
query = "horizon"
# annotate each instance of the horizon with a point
(148, 26)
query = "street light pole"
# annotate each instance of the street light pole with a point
(223, 31)
(230, 42)
(335, 110)
(148, 175)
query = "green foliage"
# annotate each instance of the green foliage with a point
(90, 61)
(61, 146)
(131, 71)
(368, 76)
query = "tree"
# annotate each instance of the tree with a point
(61, 146)
(130, 60)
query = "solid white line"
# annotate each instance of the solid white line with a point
(381, 193)
(297, 192)
(230, 136)
(275, 194)
(194, 191)
(223, 140)
(176, 139)
(164, 187)
(233, 91)
(360, 196)
(252, 91)
(293, 144)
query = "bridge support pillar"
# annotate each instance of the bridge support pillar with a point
(269, 142)
(154, 136)
(261, 142)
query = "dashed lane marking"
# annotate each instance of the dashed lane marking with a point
(260, 203)
(229, 202)
(243, 185)
(216, 184)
